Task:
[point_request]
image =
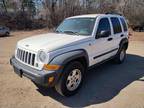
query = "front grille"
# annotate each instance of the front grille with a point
(26, 57)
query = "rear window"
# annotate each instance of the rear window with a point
(116, 25)
(124, 24)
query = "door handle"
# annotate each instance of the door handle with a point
(109, 39)
(122, 35)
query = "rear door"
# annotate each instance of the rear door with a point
(117, 31)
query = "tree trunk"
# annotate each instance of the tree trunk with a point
(22, 6)
(4, 5)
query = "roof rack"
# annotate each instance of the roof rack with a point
(113, 13)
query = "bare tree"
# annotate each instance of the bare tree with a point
(133, 10)
(56, 10)
(4, 5)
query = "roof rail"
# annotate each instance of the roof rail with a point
(113, 13)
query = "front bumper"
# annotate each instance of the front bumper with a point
(38, 76)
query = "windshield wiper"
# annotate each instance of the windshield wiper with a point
(76, 33)
(58, 31)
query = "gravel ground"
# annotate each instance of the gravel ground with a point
(107, 86)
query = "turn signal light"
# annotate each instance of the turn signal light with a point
(50, 79)
(51, 67)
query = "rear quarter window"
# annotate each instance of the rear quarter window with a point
(124, 24)
(116, 25)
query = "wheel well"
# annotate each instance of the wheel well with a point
(125, 45)
(82, 60)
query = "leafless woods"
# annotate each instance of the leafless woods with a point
(31, 14)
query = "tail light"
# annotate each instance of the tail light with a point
(129, 34)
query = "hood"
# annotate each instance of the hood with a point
(49, 41)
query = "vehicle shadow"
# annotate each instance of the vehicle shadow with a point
(6, 36)
(103, 83)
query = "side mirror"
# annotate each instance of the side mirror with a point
(104, 33)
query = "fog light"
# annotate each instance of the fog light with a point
(50, 79)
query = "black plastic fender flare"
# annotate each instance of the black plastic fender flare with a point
(123, 42)
(64, 58)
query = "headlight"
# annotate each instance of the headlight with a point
(43, 56)
(16, 50)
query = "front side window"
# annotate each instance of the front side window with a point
(116, 25)
(104, 25)
(79, 26)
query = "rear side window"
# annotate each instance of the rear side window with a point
(104, 25)
(124, 24)
(116, 25)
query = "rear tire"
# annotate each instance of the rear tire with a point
(7, 34)
(71, 79)
(120, 57)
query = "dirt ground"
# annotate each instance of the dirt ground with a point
(107, 86)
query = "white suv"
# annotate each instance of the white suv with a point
(60, 59)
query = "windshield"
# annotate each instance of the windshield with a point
(78, 26)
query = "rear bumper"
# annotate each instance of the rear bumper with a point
(38, 76)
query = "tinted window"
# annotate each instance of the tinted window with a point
(1, 28)
(124, 24)
(116, 25)
(104, 25)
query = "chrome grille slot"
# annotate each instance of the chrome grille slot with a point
(33, 59)
(23, 54)
(29, 58)
(26, 57)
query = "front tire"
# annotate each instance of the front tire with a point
(71, 79)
